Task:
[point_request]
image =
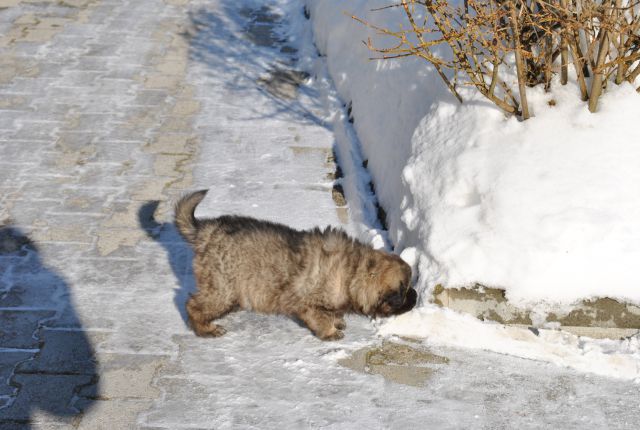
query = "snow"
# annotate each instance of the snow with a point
(613, 358)
(475, 197)
(547, 209)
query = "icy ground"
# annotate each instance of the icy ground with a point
(98, 295)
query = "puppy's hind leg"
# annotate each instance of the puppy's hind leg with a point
(206, 306)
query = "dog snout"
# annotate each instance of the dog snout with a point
(402, 300)
(408, 301)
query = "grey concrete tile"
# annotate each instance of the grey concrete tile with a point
(53, 394)
(8, 362)
(18, 328)
(62, 352)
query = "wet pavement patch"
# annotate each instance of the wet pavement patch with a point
(396, 362)
(283, 83)
(262, 26)
(263, 29)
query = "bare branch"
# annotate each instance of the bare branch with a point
(600, 38)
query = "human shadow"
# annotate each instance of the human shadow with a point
(178, 251)
(48, 369)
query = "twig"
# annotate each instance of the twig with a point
(519, 65)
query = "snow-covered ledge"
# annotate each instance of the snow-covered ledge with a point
(547, 210)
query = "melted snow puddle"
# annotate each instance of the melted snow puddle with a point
(437, 326)
(396, 362)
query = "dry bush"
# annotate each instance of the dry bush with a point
(600, 39)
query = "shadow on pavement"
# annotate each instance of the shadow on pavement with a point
(47, 363)
(250, 46)
(178, 252)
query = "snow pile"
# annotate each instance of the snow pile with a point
(612, 358)
(548, 208)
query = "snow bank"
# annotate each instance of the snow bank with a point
(612, 358)
(548, 209)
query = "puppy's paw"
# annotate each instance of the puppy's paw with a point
(336, 335)
(212, 330)
(339, 323)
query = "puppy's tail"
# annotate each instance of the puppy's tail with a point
(184, 212)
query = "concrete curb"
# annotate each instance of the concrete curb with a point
(598, 318)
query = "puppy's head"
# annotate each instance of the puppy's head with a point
(389, 289)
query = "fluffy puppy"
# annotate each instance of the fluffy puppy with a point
(316, 276)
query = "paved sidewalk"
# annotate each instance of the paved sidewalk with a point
(99, 126)
(95, 120)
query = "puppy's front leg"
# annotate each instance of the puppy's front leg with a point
(338, 321)
(321, 323)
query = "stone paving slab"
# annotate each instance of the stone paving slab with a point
(19, 326)
(63, 352)
(605, 317)
(8, 361)
(52, 393)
